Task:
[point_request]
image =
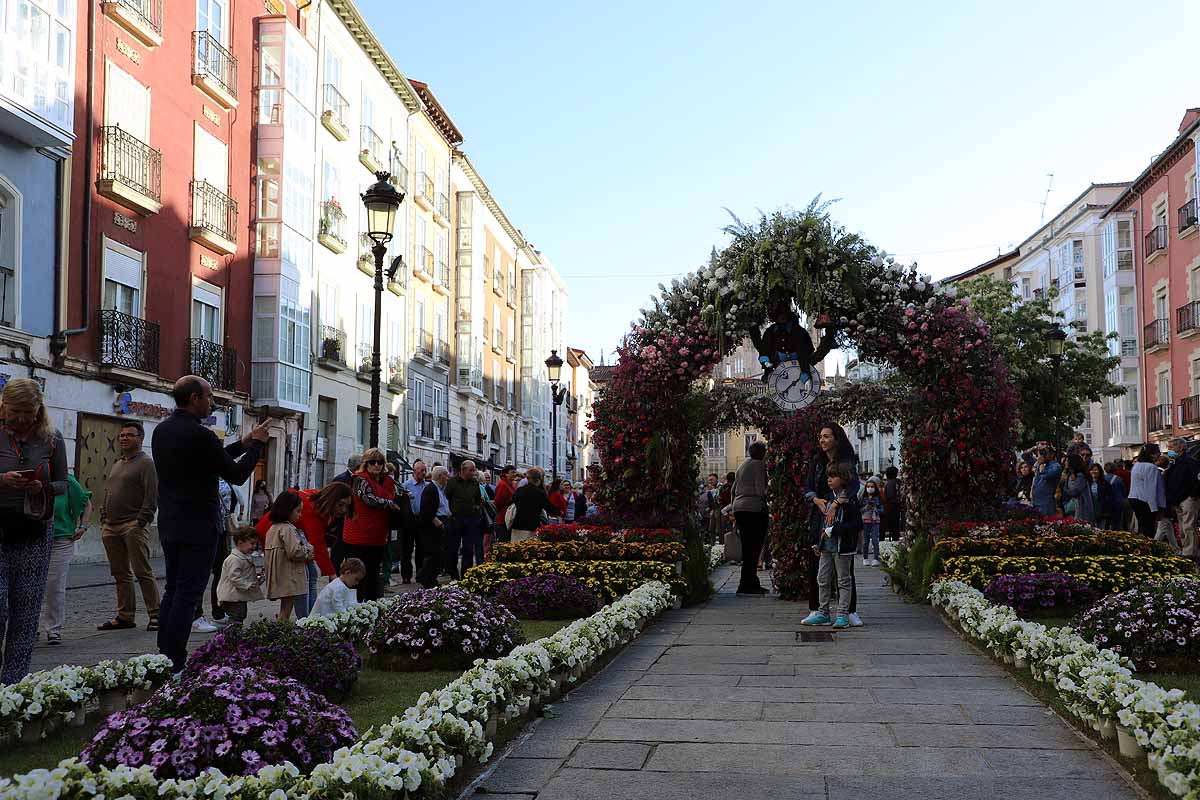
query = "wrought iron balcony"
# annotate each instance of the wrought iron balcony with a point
(1156, 240)
(333, 346)
(425, 344)
(443, 206)
(1187, 318)
(443, 275)
(441, 353)
(331, 228)
(366, 358)
(214, 217)
(1158, 418)
(371, 153)
(498, 282)
(127, 341)
(1156, 334)
(425, 424)
(443, 429)
(399, 172)
(425, 190)
(215, 69)
(1187, 215)
(130, 171)
(336, 110)
(395, 371)
(142, 18)
(215, 363)
(1189, 410)
(425, 264)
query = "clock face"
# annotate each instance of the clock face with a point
(793, 387)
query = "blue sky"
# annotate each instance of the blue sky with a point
(615, 134)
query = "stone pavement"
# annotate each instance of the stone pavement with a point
(726, 700)
(91, 599)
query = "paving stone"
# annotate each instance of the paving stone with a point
(514, 775)
(982, 697)
(799, 760)
(662, 709)
(870, 787)
(698, 666)
(671, 679)
(1010, 715)
(610, 755)
(1051, 763)
(860, 712)
(738, 731)
(987, 736)
(544, 747)
(827, 680)
(578, 784)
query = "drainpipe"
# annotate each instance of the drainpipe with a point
(58, 342)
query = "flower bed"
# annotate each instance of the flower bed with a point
(586, 550)
(1025, 525)
(583, 531)
(1094, 683)
(1051, 543)
(416, 753)
(1103, 573)
(65, 689)
(607, 578)
(716, 556)
(442, 628)
(1039, 592)
(1155, 626)
(322, 661)
(548, 597)
(237, 720)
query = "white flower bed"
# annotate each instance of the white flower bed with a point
(1094, 683)
(64, 689)
(716, 556)
(889, 551)
(416, 752)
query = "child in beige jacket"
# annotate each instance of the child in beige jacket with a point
(240, 584)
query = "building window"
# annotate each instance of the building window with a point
(10, 252)
(210, 16)
(364, 428)
(123, 270)
(326, 439)
(393, 432)
(206, 312)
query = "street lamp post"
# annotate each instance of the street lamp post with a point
(1056, 339)
(557, 394)
(382, 200)
(892, 454)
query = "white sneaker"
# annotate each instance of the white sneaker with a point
(202, 625)
(856, 621)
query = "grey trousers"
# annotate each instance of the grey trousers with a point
(832, 563)
(1188, 514)
(54, 605)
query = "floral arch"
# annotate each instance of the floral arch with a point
(949, 388)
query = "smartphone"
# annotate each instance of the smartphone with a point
(28, 474)
(264, 413)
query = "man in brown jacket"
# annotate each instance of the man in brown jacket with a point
(130, 500)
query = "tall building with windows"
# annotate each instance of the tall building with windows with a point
(543, 308)
(1153, 224)
(485, 409)
(577, 372)
(432, 139)
(877, 443)
(364, 106)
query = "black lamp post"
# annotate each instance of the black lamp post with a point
(1056, 339)
(557, 394)
(382, 200)
(892, 454)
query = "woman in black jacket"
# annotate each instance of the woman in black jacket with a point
(531, 500)
(833, 447)
(431, 519)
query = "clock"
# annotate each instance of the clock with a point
(793, 386)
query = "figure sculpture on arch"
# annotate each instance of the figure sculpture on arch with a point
(787, 345)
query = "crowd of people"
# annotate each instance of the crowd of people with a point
(1156, 494)
(354, 533)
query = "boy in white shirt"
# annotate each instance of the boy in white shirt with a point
(339, 595)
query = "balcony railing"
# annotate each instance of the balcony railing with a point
(1189, 410)
(333, 344)
(395, 371)
(398, 171)
(425, 424)
(442, 353)
(215, 363)
(1187, 318)
(214, 211)
(131, 163)
(372, 155)
(443, 429)
(425, 261)
(143, 17)
(337, 108)
(443, 205)
(1187, 215)
(1158, 418)
(498, 282)
(425, 187)
(1129, 347)
(127, 341)
(442, 276)
(1156, 240)
(366, 358)
(470, 377)
(214, 63)
(332, 225)
(1156, 334)
(425, 343)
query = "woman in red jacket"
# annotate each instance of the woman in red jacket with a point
(318, 508)
(365, 533)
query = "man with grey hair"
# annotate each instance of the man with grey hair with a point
(353, 465)
(433, 517)
(1183, 486)
(466, 513)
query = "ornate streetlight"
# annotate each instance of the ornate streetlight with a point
(892, 454)
(1056, 340)
(557, 395)
(382, 200)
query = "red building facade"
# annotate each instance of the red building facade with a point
(1161, 208)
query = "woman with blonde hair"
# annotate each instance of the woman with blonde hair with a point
(531, 500)
(33, 469)
(365, 532)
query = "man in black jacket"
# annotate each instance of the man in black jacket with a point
(189, 459)
(1183, 485)
(433, 517)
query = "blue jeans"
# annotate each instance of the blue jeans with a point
(471, 532)
(188, 567)
(870, 537)
(303, 603)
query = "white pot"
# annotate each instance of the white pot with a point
(1095, 723)
(489, 730)
(1108, 728)
(525, 703)
(80, 718)
(1020, 663)
(112, 701)
(1008, 659)
(458, 760)
(576, 672)
(1128, 743)
(139, 696)
(677, 603)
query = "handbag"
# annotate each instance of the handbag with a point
(510, 514)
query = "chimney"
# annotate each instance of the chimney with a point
(1189, 117)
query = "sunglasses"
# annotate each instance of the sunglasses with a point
(375, 461)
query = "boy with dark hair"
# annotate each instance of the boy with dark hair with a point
(836, 544)
(239, 584)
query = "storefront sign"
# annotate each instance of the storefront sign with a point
(124, 49)
(122, 221)
(125, 404)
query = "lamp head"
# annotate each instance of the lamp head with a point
(1056, 339)
(554, 367)
(382, 200)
